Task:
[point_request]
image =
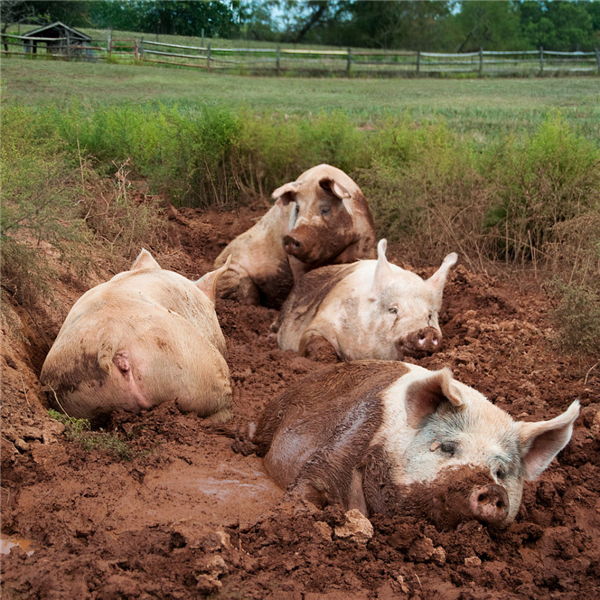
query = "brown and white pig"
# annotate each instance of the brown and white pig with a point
(393, 438)
(369, 309)
(321, 218)
(146, 336)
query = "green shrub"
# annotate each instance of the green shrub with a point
(40, 188)
(539, 184)
(576, 318)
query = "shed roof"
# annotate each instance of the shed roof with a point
(58, 30)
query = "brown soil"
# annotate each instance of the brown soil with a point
(179, 515)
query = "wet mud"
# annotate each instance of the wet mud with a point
(179, 515)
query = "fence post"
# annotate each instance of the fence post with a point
(142, 49)
(278, 61)
(202, 44)
(109, 45)
(418, 62)
(135, 49)
(349, 62)
(541, 60)
(208, 58)
(68, 46)
(480, 63)
(597, 60)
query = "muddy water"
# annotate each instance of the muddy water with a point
(7, 543)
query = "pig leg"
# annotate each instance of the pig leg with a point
(237, 284)
(317, 348)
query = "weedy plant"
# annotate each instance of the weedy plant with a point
(79, 430)
(576, 317)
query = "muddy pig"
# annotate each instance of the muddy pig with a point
(369, 309)
(146, 336)
(393, 438)
(321, 218)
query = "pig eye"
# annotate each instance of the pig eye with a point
(325, 210)
(393, 310)
(500, 473)
(449, 448)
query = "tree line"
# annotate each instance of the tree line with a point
(433, 25)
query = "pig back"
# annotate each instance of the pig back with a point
(141, 339)
(309, 294)
(329, 417)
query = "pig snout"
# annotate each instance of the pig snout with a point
(293, 246)
(426, 340)
(489, 503)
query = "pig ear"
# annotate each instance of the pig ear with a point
(208, 282)
(424, 396)
(542, 441)
(438, 280)
(384, 276)
(145, 260)
(337, 189)
(286, 193)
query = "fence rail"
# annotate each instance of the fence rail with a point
(308, 61)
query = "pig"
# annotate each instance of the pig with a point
(146, 336)
(321, 218)
(396, 439)
(368, 309)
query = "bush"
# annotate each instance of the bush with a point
(40, 188)
(577, 318)
(539, 185)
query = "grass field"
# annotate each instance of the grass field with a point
(481, 108)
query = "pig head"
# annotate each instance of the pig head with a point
(146, 336)
(321, 218)
(329, 221)
(393, 438)
(370, 309)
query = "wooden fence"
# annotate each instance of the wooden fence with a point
(279, 61)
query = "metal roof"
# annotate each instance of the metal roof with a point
(58, 26)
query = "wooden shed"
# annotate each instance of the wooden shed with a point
(60, 39)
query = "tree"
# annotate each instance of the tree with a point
(174, 17)
(565, 26)
(489, 25)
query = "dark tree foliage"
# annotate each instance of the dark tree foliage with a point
(434, 25)
(566, 26)
(175, 17)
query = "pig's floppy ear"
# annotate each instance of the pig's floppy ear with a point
(208, 283)
(338, 190)
(424, 396)
(438, 280)
(542, 441)
(144, 260)
(384, 276)
(286, 193)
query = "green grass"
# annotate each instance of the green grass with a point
(79, 430)
(482, 109)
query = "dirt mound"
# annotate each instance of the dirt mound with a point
(172, 512)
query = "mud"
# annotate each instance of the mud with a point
(182, 516)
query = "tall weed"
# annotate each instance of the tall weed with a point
(539, 184)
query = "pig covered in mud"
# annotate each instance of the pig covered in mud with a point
(369, 309)
(321, 218)
(393, 438)
(146, 336)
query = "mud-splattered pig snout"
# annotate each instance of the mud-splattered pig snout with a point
(424, 341)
